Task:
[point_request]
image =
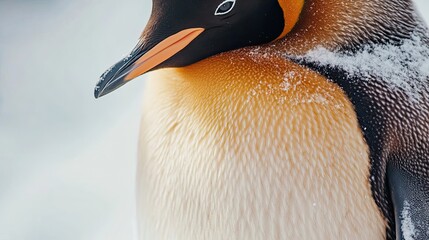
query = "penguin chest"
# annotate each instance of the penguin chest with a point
(256, 151)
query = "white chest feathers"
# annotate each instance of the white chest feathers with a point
(261, 158)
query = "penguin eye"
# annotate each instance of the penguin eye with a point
(225, 7)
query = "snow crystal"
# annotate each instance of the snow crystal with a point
(105, 74)
(256, 53)
(285, 85)
(287, 78)
(407, 226)
(404, 66)
(125, 59)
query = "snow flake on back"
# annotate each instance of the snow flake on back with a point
(404, 66)
(407, 226)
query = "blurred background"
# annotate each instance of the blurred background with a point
(67, 161)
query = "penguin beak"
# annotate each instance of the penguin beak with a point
(143, 61)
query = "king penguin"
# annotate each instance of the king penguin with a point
(244, 137)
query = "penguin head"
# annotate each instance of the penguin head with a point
(183, 32)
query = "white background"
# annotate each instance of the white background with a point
(67, 161)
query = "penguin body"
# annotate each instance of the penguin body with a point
(265, 142)
(389, 89)
(215, 177)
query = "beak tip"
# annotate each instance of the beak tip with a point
(107, 86)
(97, 92)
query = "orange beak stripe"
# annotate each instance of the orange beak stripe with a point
(163, 51)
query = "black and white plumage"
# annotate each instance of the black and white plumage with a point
(321, 132)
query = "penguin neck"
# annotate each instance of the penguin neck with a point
(351, 24)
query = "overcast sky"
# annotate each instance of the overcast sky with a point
(67, 161)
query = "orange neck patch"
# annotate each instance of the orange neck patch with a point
(291, 12)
